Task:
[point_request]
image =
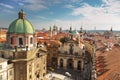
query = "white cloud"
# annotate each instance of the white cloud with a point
(69, 6)
(51, 13)
(87, 24)
(8, 11)
(35, 7)
(55, 1)
(73, 1)
(112, 6)
(107, 15)
(86, 10)
(6, 5)
(21, 4)
(103, 17)
(76, 0)
(41, 17)
(44, 4)
(34, 1)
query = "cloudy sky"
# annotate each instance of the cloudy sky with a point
(90, 14)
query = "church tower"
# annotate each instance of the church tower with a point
(50, 30)
(81, 34)
(28, 58)
(111, 29)
(70, 30)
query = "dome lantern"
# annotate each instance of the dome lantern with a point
(21, 14)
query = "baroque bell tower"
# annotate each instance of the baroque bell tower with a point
(29, 60)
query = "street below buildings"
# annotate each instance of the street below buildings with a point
(75, 74)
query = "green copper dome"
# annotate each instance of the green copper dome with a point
(21, 25)
(74, 32)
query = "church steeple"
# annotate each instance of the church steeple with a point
(70, 29)
(60, 30)
(111, 29)
(81, 29)
(21, 14)
(50, 31)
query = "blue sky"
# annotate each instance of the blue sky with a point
(102, 14)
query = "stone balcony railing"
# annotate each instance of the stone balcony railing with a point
(71, 55)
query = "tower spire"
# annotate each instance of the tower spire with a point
(111, 29)
(81, 29)
(70, 29)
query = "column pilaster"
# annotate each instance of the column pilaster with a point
(65, 63)
(82, 65)
(75, 64)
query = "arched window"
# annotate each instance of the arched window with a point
(70, 63)
(54, 61)
(37, 75)
(79, 65)
(2, 55)
(31, 40)
(61, 63)
(11, 40)
(20, 41)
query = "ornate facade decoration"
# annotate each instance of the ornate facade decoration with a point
(71, 56)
